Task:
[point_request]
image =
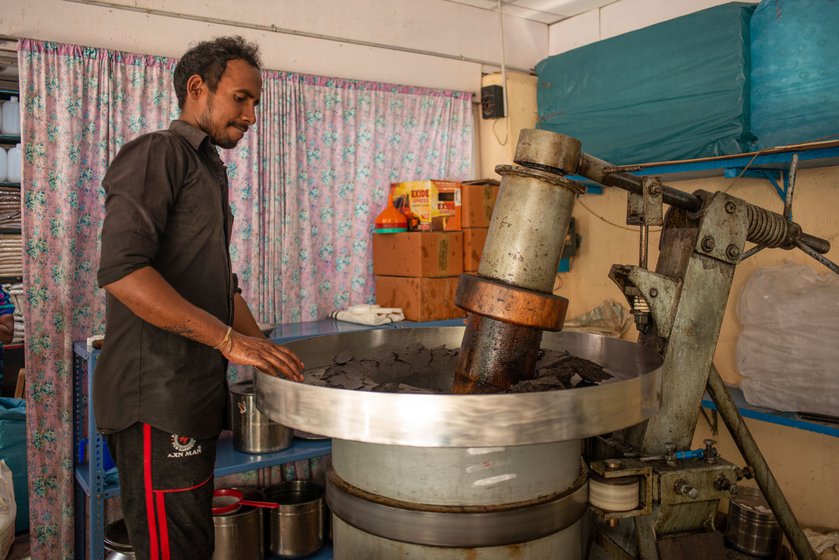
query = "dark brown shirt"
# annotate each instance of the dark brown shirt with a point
(165, 207)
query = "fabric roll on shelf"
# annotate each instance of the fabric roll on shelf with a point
(9, 208)
(11, 255)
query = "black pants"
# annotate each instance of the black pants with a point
(166, 485)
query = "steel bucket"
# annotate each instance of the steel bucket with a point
(752, 527)
(252, 431)
(239, 534)
(117, 544)
(296, 528)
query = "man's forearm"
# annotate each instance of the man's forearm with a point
(149, 296)
(243, 320)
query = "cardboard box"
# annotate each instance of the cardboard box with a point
(426, 254)
(421, 299)
(478, 200)
(433, 205)
(473, 247)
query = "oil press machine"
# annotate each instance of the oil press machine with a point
(543, 475)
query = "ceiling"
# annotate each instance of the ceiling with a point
(543, 11)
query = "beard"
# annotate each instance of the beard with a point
(218, 137)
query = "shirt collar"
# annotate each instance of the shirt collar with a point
(195, 136)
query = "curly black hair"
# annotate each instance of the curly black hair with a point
(209, 60)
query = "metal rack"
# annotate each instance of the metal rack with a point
(799, 421)
(91, 489)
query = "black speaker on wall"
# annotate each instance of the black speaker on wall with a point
(492, 102)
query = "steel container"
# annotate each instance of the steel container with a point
(296, 528)
(752, 527)
(253, 432)
(239, 534)
(117, 545)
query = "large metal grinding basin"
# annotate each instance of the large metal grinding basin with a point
(429, 476)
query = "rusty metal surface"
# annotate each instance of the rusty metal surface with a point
(503, 302)
(523, 247)
(651, 286)
(697, 314)
(550, 151)
(527, 231)
(494, 355)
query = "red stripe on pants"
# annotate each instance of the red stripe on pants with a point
(153, 548)
(164, 530)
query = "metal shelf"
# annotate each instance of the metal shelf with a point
(90, 487)
(771, 164)
(788, 419)
(230, 461)
(83, 480)
(324, 553)
(820, 154)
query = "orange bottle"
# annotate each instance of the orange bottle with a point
(390, 220)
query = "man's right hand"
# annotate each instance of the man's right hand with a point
(263, 354)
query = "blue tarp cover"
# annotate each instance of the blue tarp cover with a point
(13, 451)
(675, 90)
(795, 78)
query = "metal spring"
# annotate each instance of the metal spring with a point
(766, 228)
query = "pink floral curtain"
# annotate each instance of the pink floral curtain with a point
(306, 185)
(331, 150)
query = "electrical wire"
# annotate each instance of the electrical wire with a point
(627, 228)
(742, 171)
(611, 223)
(503, 80)
(506, 138)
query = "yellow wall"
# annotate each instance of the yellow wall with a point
(806, 464)
(498, 136)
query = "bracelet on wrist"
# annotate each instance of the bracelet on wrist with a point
(225, 340)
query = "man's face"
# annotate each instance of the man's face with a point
(228, 112)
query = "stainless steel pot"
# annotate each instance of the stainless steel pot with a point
(252, 431)
(752, 527)
(239, 535)
(117, 544)
(296, 528)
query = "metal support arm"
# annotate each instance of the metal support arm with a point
(765, 479)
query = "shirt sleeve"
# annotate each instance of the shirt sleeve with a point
(141, 186)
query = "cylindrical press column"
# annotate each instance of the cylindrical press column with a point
(510, 301)
(491, 503)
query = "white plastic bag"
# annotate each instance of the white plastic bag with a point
(366, 314)
(8, 510)
(788, 352)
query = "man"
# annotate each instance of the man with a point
(175, 314)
